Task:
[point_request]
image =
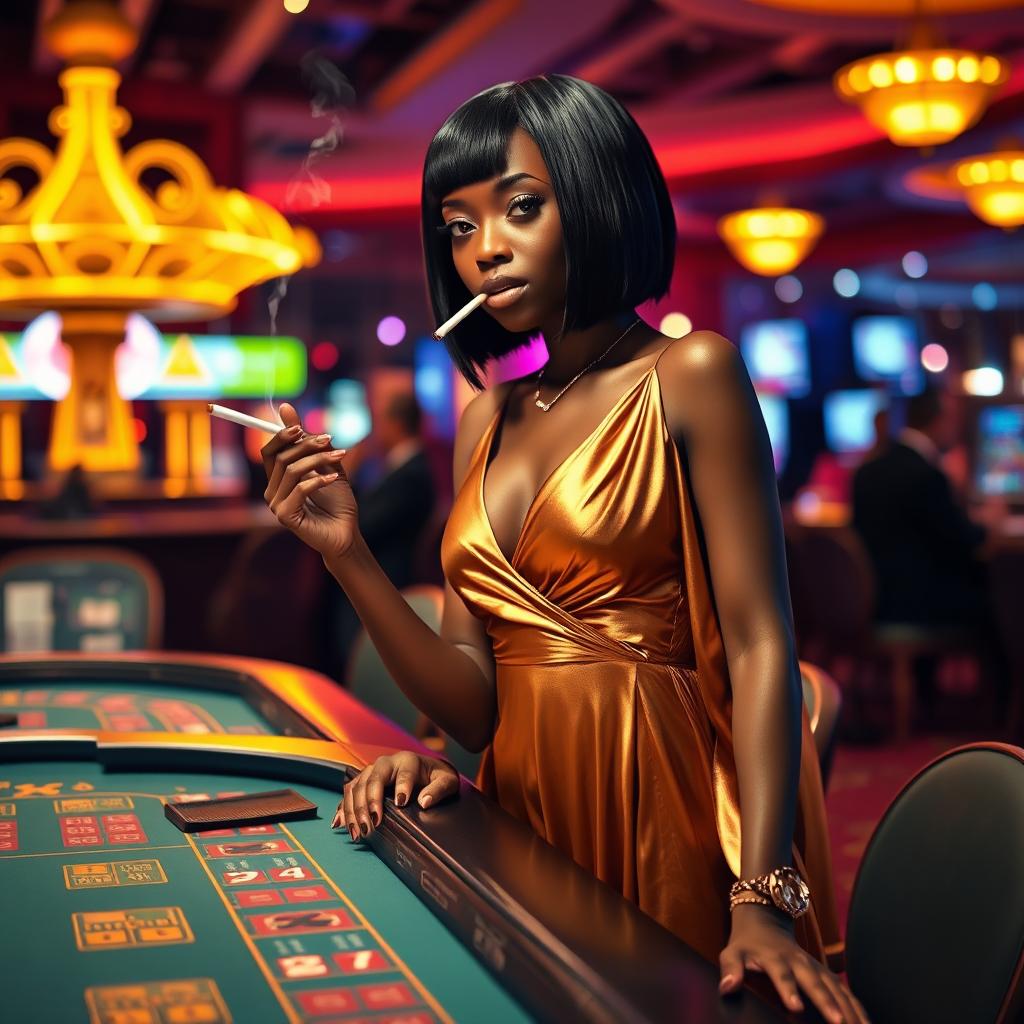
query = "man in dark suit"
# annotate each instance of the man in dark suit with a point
(396, 496)
(922, 544)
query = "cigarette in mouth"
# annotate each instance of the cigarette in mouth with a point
(474, 303)
(243, 420)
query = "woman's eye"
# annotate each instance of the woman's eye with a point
(526, 204)
(456, 228)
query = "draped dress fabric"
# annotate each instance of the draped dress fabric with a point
(614, 736)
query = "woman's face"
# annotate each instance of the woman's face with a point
(508, 227)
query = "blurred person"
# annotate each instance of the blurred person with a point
(73, 500)
(397, 497)
(617, 634)
(924, 547)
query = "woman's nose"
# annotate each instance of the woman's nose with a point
(493, 246)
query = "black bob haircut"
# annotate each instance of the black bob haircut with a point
(618, 225)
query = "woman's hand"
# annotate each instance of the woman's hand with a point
(761, 940)
(362, 808)
(307, 488)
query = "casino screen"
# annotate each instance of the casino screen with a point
(999, 452)
(885, 348)
(775, 352)
(775, 411)
(849, 419)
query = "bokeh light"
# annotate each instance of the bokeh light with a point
(788, 288)
(914, 264)
(295, 6)
(934, 357)
(846, 282)
(391, 330)
(139, 426)
(984, 296)
(324, 355)
(675, 325)
(986, 381)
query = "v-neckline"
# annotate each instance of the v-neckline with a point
(488, 444)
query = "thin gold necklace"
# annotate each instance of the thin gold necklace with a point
(536, 397)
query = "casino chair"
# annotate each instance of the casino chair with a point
(79, 599)
(270, 600)
(824, 702)
(935, 931)
(369, 680)
(838, 584)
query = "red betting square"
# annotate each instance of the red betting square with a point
(295, 874)
(243, 877)
(215, 833)
(307, 966)
(259, 898)
(363, 961)
(307, 894)
(291, 922)
(388, 996)
(257, 830)
(32, 719)
(328, 1000)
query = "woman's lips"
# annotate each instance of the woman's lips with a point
(499, 300)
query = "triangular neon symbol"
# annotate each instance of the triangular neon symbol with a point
(8, 367)
(183, 362)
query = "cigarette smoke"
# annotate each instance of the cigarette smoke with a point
(331, 93)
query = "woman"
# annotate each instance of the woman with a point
(617, 632)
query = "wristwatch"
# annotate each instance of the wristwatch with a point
(782, 888)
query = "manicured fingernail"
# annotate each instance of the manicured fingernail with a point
(293, 431)
(795, 1002)
(364, 828)
(375, 817)
(726, 981)
(426, 800)
(400, 799)
(352, 832)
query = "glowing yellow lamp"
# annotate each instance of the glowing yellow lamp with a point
(93, 242)
(993, 186)
(922, 97)
(771, 240)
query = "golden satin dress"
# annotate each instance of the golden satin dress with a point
(614, 735)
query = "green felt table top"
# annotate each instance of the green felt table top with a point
(113, 915)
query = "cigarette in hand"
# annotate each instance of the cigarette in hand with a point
(243, 420)
(474, 303)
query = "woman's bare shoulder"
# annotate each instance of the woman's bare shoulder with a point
(694, 370)
(476, 416)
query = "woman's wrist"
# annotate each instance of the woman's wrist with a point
(745, 914)
(341, 564)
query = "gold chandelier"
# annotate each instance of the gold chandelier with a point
(771, 240)
(992, 184)
(95, 241)
(926, 94)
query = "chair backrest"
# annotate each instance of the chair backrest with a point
(824, 701)
(369, 680)
(838, 585)
(267, 604)
(936, 924)
(79, 599)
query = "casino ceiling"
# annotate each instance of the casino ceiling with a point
(736, 95)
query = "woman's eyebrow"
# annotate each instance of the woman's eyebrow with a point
(499, 186)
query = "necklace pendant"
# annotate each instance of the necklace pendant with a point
(541, 405)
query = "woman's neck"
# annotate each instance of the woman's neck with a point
(571, 352)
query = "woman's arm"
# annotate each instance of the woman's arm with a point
(733, 480)
(714, 413)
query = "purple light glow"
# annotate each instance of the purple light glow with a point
(391, 330)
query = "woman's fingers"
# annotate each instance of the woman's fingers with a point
(785, 982)
(285, 457)
(281, 440)
(350, 815)
(289, 512)
(731, 964)
(443, 782)
(817, 982)
(300, 469)
(380, 776)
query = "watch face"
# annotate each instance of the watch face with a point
(789, 891)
